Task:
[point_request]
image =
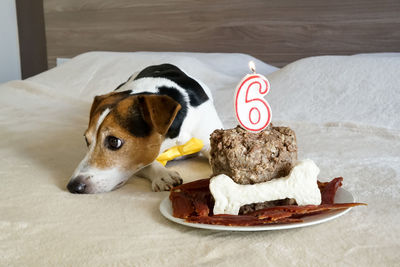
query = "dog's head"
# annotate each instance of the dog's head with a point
(125, 133)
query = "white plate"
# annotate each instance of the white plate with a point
(342, 196)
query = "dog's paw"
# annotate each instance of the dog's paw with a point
(166, 181)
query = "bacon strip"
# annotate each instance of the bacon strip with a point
(194, 203)
(191, 199)
(197, 185)
(275, 215)
(328, 190)
(182, 206)
(300, 211)
(237, 220)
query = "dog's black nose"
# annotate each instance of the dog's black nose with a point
(76, 186)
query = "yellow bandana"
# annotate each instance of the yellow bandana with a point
(192, 146)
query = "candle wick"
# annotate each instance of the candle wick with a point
(252, 67)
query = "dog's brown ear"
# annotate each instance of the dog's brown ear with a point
(96, 102)
(159, 111)
(102, 102)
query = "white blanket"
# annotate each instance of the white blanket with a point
(345, 111)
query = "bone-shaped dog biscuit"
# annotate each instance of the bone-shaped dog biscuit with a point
(300, 184)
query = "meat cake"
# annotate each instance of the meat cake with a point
(250, 158)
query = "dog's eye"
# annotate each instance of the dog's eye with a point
(113, 142)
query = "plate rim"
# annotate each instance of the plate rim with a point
(166, 210)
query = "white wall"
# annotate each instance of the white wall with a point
(9, 47)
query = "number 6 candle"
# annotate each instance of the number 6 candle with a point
(253, 113)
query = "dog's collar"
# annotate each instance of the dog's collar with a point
(192, 146)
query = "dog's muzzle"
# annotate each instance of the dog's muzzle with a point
(77, 185)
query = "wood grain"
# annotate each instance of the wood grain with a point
(277, 32)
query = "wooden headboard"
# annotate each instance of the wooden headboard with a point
(275, 31)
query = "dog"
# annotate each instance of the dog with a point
(155, 109)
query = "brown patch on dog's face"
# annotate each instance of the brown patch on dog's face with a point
(101, 103)
(138, 122)
(133, 154)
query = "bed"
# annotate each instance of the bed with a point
(343, 109)
(343, 106)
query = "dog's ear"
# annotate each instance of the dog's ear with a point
(106, 101)
(96, 102)
(159, 111)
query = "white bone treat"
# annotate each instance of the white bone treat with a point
(300, 184)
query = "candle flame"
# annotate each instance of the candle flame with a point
(252, 66)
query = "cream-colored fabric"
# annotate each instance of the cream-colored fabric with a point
(345, 111)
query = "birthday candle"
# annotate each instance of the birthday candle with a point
(253, 113)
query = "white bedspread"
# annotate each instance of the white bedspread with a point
(345, 111)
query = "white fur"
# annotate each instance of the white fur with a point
(161, 178)
(83, 165)
(105, 180)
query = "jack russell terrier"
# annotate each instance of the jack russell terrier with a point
(152, 111)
